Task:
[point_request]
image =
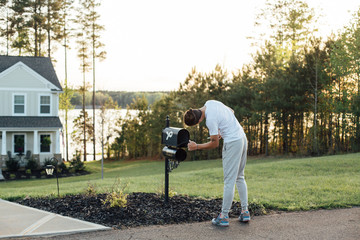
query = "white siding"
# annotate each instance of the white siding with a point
(32, 102)
(20, 78)
(5, 103)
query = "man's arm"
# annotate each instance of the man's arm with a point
(214, 143)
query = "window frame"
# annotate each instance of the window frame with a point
(40, 105)
(14, 144)
(45, 134)
(13, 104)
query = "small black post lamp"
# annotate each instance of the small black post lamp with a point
(50, 170)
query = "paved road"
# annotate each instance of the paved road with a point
(343, 224)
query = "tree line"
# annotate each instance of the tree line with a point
(300, 94)
(121, 98)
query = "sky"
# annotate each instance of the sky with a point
(152, 45)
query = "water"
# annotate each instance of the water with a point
(110, 130)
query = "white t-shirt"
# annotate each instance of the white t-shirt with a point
(221, 119)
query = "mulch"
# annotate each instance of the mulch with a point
(142, 209)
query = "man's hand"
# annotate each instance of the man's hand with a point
(192, 146)
(214, 143)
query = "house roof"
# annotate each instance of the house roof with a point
(41, 65)
(30, 122)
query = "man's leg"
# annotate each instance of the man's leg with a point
(232, 153)
(240, 180)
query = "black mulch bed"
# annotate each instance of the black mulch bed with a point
(142, 209)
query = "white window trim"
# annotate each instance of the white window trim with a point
(45, 114)
(13, 142)
(51, 139)
(13, 104)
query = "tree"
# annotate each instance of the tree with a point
(340, 69)
(351, 38)
(82, 33)
(241, 97)
(37, 23)
(106, 127)
(314, 72)
(54, 21)
(18, 24)
(78, 135)
(65, 7)
(290, 23)
(96, 28)
(65, 104)
(279, 62)
(159, 110)
(134, 128)
(5, 32)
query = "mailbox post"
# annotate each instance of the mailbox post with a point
(174, 139)
(166, 167)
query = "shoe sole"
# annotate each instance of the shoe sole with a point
(220, 224)
(244, 220)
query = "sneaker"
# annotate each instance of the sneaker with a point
(223, 222)
(244, 216)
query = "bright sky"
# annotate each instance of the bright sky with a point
(153, 45)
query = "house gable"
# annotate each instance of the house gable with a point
(20, 76)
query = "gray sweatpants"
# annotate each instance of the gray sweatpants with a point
(234, 157)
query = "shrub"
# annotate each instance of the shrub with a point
(257, 209)
(91, 189)
(63, 168)
(116, 197)
(32, 164)
(76, 164)
(12, 165)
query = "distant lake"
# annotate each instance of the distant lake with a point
(110, 128)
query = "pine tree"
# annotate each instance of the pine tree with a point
(82, 33)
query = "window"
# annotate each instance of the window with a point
(19, 104)
(44, 104)
(19, 143)
(45, 143)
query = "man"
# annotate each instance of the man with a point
(222, 123)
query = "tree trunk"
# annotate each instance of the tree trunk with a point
(285, 133)
(266, 134)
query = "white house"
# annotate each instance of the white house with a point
(29, 105)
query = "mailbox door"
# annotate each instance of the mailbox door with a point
(183, 138)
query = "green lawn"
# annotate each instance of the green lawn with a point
(277, 183)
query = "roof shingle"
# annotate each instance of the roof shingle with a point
(41, 65)
(29, 122)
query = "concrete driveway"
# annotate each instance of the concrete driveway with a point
(17, 221)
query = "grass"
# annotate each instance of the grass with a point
(277, 183)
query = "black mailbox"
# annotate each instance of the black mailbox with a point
(174, 140)
(175, 137)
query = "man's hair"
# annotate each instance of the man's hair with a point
(192, 117)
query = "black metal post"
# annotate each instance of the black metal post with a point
(57, 178)
(167, 169)
(56, 172)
